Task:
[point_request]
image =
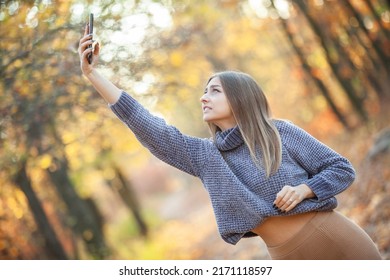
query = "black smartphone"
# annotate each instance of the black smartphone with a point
(90, 29)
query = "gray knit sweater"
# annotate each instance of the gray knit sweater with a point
(241, 195)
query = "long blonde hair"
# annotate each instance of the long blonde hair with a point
(253, 115)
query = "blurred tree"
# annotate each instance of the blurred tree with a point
(34, 95)
(121, 185)
(355, 53)
(53, 246)
(54, 131)
(309, 71)
(42, 95)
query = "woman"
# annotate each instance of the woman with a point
(265, 177)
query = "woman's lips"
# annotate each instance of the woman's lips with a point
(206, 108)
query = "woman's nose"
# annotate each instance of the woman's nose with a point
(204, 98)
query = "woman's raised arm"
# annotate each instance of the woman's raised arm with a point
(106, 88)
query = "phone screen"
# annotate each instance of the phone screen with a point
(90, 27)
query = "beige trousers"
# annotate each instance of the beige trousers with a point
(327, 236)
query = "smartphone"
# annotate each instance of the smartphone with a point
(90, 29)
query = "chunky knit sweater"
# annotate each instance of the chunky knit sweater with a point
(240, 193)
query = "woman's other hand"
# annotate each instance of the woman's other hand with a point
(290, 196)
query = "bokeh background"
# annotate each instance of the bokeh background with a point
(76, 184)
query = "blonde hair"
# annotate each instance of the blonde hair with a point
(251, 110)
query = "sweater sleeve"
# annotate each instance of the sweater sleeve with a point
(329, 172)
(166, 142)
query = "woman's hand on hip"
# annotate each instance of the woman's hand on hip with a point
(291, 196)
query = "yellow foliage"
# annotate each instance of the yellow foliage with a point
(185, 56)
(159, 58)
(242, 42)
(24, 91)
(45, 161)
(47, 87)
(91, 116)
(108, 173)
(319, 102)
(73, 89)
(73, 154)
(14, 207)
(68, 137)
(192, 79)
(18, 63)
(83, 97)
(176, 59)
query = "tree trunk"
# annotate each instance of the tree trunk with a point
(122, 187)
(308, 70)
(53, 246)
(377, 18)
(354, 100)
(84, 219)
(383, 57)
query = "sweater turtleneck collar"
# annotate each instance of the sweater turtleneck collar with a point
(228, 139)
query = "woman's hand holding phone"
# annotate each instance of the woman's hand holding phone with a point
(88, 53)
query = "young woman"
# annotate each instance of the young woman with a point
(265, 177)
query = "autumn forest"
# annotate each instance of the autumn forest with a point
(75, 183)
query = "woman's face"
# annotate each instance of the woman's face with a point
(215, 106)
